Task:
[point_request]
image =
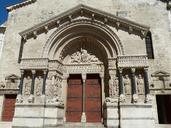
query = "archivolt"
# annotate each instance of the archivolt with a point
(83, 28)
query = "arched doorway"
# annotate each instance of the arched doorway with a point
(88, 50)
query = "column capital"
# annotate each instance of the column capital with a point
(65, 76)
(101, 75)
(44, 72)
(120, 70)
(146, 69)
(133, 70)
(22, 72)
(83, 76)
(33, 72)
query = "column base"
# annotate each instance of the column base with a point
(83, 117)
(138, 115)
(38, 115)
(110, 114)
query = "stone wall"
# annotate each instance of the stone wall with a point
(152, 13)
(2, 30)
(144, 12)
(1, 104)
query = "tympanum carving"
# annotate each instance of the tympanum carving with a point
(83, 57)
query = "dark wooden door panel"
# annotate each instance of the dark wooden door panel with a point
(74, 100)
(8, 107)
(93, 100)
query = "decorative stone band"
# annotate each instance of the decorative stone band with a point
(34, 63)
(82, 68)
(45, 63)
(22, 4)
(132, 61)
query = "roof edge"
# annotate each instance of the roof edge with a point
(20, 5)
(69, 13)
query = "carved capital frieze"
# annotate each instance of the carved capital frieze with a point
(132, 61)
(34, 63)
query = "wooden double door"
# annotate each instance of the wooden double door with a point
(76, 101)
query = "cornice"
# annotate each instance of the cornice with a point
(87, 12)
(22, 4)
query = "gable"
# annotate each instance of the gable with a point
(85, 12)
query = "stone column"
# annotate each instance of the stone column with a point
(133, 85)
(146, 85)
(64, 92)
(19, 96)
(31, 97)
(21, 82)
(33, 81)
(83, 117)
(146, 82)
(121, 85)
(103, 90)
(44, 82)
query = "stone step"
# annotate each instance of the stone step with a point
(83, 125)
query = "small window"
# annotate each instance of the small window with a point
(149, 46)
(164, 108)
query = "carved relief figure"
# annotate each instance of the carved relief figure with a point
(116, 86)
(140, 84)
(76, 57)
(127, 85)
(83, 57)
(57, 88)
(2, 85)
(111, 88)
(12, 81)
(27, 85)
(49, 90)
(38, 85)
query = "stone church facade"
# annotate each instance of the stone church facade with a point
(86, 63)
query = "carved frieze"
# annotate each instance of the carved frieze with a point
(56, 65)
(34, 63)
(82, 68)
(132, 61)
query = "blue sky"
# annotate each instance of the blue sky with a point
(3, 5)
